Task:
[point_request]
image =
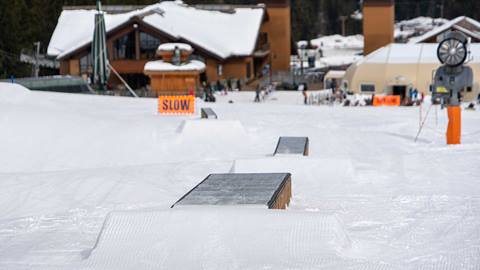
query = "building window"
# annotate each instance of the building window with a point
(367, 88)
(196, 57)
(220, 70)
(124, 47)
(86, 64)
(148, 46)
(249, 70)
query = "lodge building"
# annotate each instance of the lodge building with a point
(234, 42)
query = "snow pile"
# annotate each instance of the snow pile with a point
(12, 93)
(217, 238)
(229, 33)
(172, 46)
(159, 65)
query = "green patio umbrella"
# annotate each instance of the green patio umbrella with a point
(99, 51)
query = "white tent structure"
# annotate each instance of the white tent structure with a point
(395, 68)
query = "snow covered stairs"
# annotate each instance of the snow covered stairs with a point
(292, 145)
(271, 190)
(208, 113)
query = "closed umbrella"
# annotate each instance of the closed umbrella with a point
(99, 51)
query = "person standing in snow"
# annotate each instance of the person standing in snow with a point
(305, 96)
(333, 85)
(257, 93)
(229, 85)
(415, 94)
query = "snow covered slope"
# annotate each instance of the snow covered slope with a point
(67, 160)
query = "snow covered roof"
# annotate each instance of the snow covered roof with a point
(172, 46)
(160, 65)
(465, 24)
(224, 34)
(406, 29)
(338, 74)
(339, 42)
(412, 53)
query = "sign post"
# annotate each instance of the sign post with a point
(386, 101)
(176, 105)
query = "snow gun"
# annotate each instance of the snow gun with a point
(451, 79)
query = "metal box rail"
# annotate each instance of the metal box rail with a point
(292, 145)
(208, 113)
(272, 190)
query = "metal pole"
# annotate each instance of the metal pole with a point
(343, 19)
(123, 81)
(441, 9)
(36, 66)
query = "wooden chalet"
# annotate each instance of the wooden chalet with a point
(258, 36)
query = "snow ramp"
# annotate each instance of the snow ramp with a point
(217, 238)
(202, 128)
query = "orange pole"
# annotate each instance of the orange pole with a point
(454, 130)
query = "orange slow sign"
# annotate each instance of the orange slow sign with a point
(386, 101)
(176, 104)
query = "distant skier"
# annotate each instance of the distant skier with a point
(415, 94)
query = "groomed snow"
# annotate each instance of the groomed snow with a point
(68, 160)
(222, 238)
(12, 93)
(159, 65)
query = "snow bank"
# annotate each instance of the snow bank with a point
(160, 65)
(217, 238)
(12, 93)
